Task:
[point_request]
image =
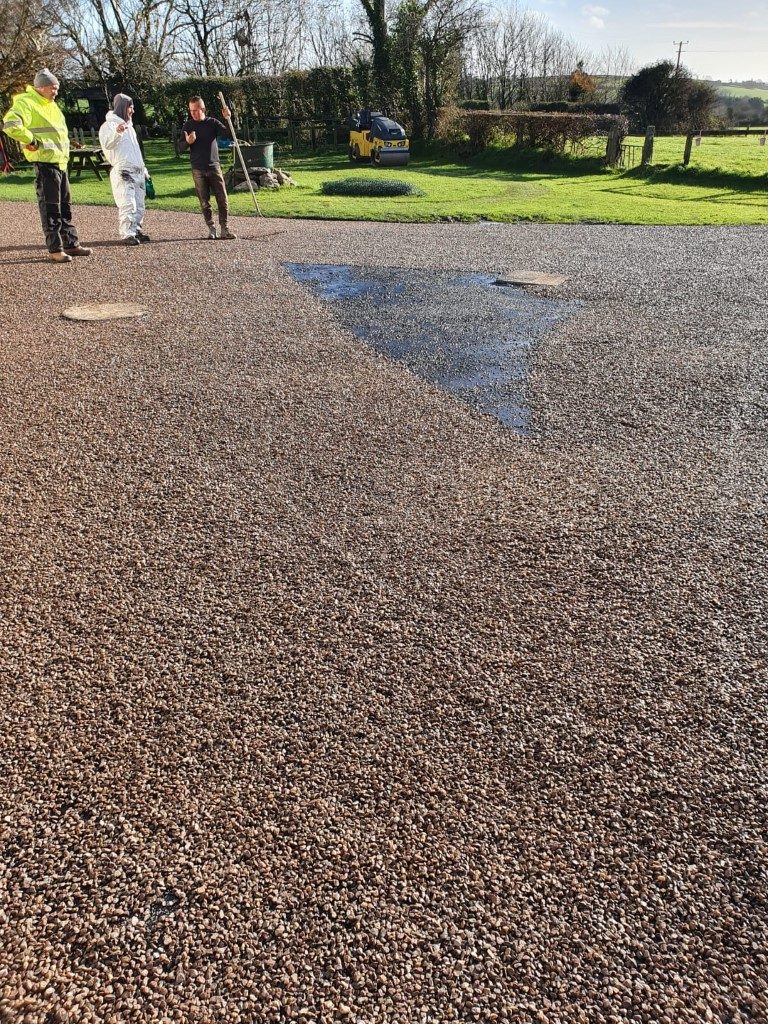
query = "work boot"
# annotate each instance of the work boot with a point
(131, 240)
(59, 257)
(78, 250)
(142, 237)
(212, 231)
(226, 233)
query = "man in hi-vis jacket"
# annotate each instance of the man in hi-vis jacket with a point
(36, 122)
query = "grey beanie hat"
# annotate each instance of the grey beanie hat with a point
(45, 77)
(120, 105)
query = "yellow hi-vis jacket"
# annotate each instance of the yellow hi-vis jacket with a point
(33, 118)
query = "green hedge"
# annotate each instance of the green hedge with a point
(321, 93)
(478, 128)
(564, 107)
(369, 187)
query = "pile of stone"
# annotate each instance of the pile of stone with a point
(266, 177)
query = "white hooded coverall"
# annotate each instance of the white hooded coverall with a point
(128, 174)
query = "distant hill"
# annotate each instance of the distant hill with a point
(610, 85)
(739, 89)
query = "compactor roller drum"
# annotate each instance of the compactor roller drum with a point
(377, 138)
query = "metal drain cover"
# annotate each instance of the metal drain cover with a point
(105, 311)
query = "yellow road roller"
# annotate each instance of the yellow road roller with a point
(377, 138)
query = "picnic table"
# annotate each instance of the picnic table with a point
(88, 158)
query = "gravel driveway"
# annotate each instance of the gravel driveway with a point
(326, 698)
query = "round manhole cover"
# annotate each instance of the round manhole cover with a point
(105, 311)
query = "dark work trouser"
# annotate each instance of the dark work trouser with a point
(205, 183)
(55, 202)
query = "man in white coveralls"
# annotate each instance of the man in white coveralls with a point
(128, 175)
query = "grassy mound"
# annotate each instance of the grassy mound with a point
(369, 187)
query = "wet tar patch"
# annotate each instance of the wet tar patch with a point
(456, 330)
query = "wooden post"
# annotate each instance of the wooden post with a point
(613, 147)
(687, 152)
(647, 156)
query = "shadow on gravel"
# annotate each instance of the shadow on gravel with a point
(22, 248)
(115, 243)
(194, 240)
(37, 252)
(110, 243)
(459, 331)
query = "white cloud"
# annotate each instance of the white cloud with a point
(696, 24)
(595, 15)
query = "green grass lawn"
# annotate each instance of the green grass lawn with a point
(726, 183)
(725, 154)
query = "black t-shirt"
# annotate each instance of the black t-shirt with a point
(204, 152)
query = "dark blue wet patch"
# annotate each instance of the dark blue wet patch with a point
(459, 331)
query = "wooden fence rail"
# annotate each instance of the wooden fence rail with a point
(298, 133)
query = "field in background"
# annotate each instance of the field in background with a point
(724, 185)
(724, 154)
(742, 90)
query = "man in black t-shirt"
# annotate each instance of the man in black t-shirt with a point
(198, 135)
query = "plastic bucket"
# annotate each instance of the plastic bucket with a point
(260, 154)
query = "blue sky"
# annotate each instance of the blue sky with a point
(721, 40)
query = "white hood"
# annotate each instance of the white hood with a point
(122, 150)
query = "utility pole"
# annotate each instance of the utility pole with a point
(679, 51)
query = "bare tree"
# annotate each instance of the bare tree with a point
(28, 41)
(498, 54)
(611, 67)
(515, 56)
(281, 29)
(241, 37)
(246, 46)
(330, 35)
(204, 36)
(551, 59)
(128, 43)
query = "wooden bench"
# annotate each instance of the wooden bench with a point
(88, 158)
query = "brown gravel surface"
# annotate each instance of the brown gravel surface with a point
(327, 699)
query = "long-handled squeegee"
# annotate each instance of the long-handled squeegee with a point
(239, 152)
